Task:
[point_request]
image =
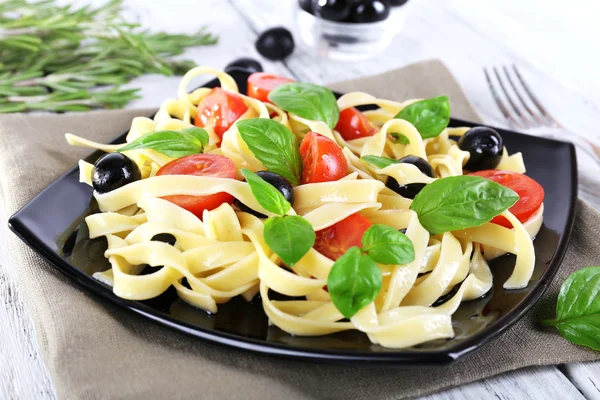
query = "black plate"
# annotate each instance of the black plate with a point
(52, 225)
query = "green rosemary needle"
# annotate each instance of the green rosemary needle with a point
(62, 58)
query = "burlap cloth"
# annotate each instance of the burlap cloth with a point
(94, 350)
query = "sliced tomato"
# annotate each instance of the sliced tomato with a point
(260, 84)
(335, 240)
(220, 109)
(531, 194)
(353, 125)
(322, 159)
(200, 165)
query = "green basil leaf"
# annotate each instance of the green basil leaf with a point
(430, 116)
(266, 194)
(387, 245)
(460, 202)
(307, 101)
(399, 138)
(172, 143)
(354, 281)
(290, 237)
(379, 162)
(578, 308)
(274, 145)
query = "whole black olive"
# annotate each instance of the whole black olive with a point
(332, 10)
(420, 163)
(370, 11)
(409, 191)
(306, 5)
(275, 43)
(396, 3)
(485, 146)
(276, 180)
(165, 237)
(248, 64)
(113, 170)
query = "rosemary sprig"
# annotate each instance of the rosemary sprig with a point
(55, 58)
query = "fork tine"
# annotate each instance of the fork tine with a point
(534, 116)
(499, 101)
(534, 99)
(524, 120)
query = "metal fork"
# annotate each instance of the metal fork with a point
(528, 114)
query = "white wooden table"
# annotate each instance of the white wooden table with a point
(554, 42)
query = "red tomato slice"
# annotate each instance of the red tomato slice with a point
(220, 109)
(260, 84)
(531, 194)
(200, 165)
(335, 240)
(322, 159)
(353, 125)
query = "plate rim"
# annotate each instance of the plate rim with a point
(399, 357)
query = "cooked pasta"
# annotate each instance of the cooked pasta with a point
(222, 253)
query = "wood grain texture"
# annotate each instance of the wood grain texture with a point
(545, 38)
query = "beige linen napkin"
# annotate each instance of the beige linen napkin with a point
(95, 350)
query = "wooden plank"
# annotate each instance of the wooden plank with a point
(530, 383)
(586, 377)
(468, 37)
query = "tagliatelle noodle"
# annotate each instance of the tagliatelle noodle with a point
(224, 254)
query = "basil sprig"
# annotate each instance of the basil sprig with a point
(430, 116)
(289, 236)
(578, 308)
(274, 145)
(172, 143)
(386, 245)
(379, 162)
(460, 202)
(266, 194)
(354, 280)
(307, 101)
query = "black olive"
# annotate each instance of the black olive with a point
(165, 237)
(485, 146)
(306, 5)
(332, 10)
(396, 3)
(403, 230)
(409, 191)
(370, 11)
(420, 163)
(113, 170)
(275, 43)
(245, 63)
(276, 180)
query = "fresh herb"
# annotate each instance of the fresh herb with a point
(387, 245)
(290, 237)
(430, 116)
(379, 162)
(266, 194)
(399, 138)
(354, 280)
(274, 145)
(578, 308)
(172, 143)
(460, 202)
(307, 101)
(53, 56)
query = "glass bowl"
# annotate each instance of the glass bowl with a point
(346, 41)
